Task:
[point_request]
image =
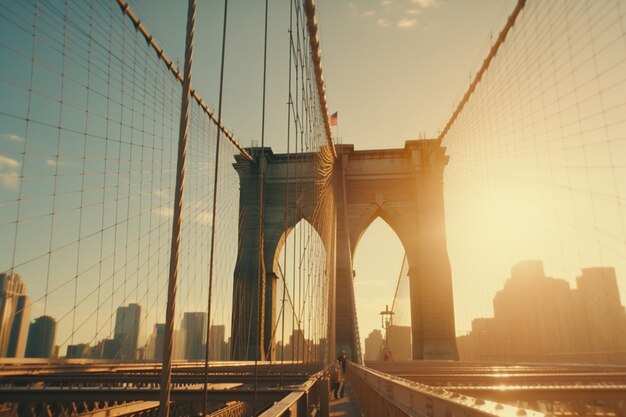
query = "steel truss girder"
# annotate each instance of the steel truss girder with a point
(38, 394)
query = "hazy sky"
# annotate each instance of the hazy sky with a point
(393, 69)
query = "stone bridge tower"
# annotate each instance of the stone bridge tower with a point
(402, 186)
(405, 188)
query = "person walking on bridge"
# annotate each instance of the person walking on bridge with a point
(335, 378)
(342, 361)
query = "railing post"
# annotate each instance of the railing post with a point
(322, 389)
(303, 405)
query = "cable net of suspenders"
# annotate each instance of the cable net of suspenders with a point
(89, 119)
(90, 116)
(536, 172)
(296, 327)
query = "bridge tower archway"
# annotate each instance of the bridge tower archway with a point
(291, 193)
(296, 323)
(405, 188)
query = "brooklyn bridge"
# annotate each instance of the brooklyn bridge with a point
(155, 262)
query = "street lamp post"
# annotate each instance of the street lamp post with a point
(386, 321)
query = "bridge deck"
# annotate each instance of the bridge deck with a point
(344, 407)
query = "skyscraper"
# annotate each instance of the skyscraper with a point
(14, 314)
(154, 347)
(298, 344)
(217, 345)
(373, 345)
(600, 309)
(194, 326)
(80, 350)
(127, 331)
(41, 334)
(399, 342)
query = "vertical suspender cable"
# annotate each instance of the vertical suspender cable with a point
(168, 342)
(261, 267)
(215, 184)
(289, 104)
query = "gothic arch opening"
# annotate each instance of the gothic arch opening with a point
(378, 260)
(300, 268)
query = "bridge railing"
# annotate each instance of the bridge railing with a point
(310, 399)
(380, 394)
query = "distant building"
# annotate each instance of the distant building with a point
(319, 350)
(373, 345)
(194, 328)
(78, 351)
(298, 345)
(217, 343)
(298, 348)
(600, 310)
(399, 342)
(179, 345)
(41, 335)
(154, 347)
(14, 316)
(128, 328)
(107, 349)
(540, 319)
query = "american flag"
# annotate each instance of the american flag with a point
(333, 119)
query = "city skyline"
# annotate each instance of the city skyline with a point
(36, 339)
(538, 318)
(541, 318)
(190, 343)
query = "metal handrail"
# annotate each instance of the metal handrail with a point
(312, 395)
(380, 394)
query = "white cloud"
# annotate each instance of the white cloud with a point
(8, 172)
(9, 180)
(413, 12)
(368, 13)
(382, 23)
(55, 163)
(405, 23)
(386, 2)
(190, 213)
(12, 137)
(8, 163)
(426, 4)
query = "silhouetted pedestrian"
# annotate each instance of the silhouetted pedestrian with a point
(335, 377)
(342, 361)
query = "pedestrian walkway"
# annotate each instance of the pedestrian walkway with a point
(344, 407)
